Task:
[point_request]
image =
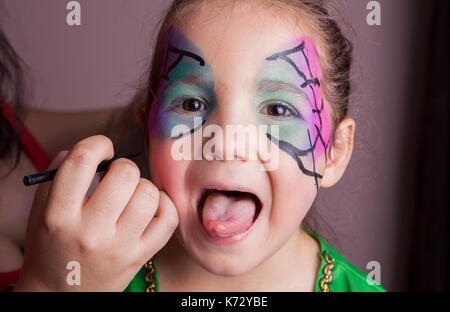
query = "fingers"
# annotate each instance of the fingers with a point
(76, 172)
(140, 210)
(113, 193)
(161, 228)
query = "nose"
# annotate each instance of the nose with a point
(230, 134)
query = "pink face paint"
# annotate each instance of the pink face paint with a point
(320, 127)
(307, 137)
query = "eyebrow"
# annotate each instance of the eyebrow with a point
(191, 79)
(276, 85)
(279, 85)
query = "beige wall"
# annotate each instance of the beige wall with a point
(97, 64)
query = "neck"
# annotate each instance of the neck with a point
(292, 268)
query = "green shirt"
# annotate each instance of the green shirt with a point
(335, 274)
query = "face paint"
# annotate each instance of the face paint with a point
(186, 89)
(291, 79)
(288, 82)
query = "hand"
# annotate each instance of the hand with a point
(111, 234)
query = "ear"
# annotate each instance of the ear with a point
(340, 153)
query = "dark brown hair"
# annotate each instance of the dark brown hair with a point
(12, 88)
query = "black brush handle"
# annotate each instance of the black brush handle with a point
(46, 176)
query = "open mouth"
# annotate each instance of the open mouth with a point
(225, 213)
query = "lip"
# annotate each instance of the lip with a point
(225, 187)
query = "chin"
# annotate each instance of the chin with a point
(227, 269)
(227, 266)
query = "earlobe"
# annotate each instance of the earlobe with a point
(340, 153)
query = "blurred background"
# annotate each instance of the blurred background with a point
(390, 206)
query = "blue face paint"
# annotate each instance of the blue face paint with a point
(280, 101)
(186, 90)
(305, 133)
(287, 95)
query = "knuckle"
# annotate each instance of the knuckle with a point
(148, 190)
(87, 243)
(51, 224)
(80, 154)
(172, 221)
(126, 169)
(105, 140)
(103, 137)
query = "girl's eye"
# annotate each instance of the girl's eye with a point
(189, 105)
(278, 110)
(193, 105)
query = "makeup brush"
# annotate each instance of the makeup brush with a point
(36, 178)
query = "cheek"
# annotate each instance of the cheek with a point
(166, 173)
(293, 194)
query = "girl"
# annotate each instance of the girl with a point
(280, 64)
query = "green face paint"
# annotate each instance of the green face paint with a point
(306, 134)
(287, 95)
(280, 102)
(186, 90)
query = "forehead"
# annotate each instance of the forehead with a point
(236, 40)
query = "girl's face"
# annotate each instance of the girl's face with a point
(249, 68)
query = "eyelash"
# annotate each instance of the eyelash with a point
(178, 105)
(293, 112)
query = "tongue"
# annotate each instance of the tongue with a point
(225, 215)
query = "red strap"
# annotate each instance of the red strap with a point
(31, 147)
(8, 278)
(39, 158)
